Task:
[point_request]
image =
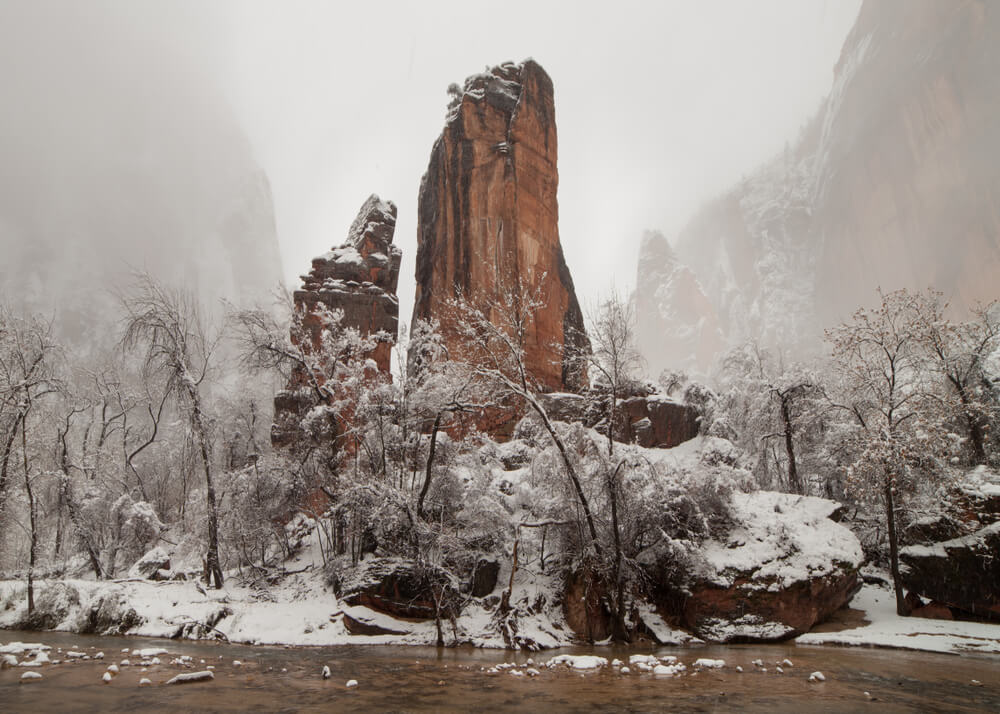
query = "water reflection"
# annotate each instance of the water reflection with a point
(276, 679)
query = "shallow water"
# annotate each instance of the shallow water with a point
(429, 679)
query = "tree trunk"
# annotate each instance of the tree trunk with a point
(793, 471)
(77, 521)
(611, 424)
(213, 566)
(902, 609)
(430, 464)
(66, 497)
(571, 472)
(619, 631)
(4, 463)
(32, 521)
(977, 431)
(58, 546)
(506, 595)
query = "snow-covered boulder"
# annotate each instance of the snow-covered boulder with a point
(957, 566)
(981, 491)
(648, 419)
(782, 568)
(150, 564)
(393, 586)
(53, 603)
(107, 613)
(963, 573)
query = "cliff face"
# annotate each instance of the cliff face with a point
(488, 216)
(907, 186)
(891, 185)
(359, 277)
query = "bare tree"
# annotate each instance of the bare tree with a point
(317, 355)
(767, 400)
(958, 352)
(440, 390)
(613, 357)
(789, 396)
(27, 375)
(168, 327)
(878, 355)
(67, 498)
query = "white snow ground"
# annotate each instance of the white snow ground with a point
(887, 629)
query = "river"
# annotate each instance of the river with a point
(278, 679)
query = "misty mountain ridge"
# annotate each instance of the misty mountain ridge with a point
(889, 186)
(122, 156)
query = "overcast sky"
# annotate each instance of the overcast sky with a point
(659, 105)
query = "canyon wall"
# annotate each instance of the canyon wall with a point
(120, 154)
(892, 184)
(907, 186)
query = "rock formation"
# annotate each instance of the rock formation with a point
(890, 185)
(676, 325)
(962, 573)
(358, 277)
(907, 192)
(653, 421)
(956, 566)
(488, 216)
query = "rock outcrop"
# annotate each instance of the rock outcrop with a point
(961, 572)
(652, 421)
(359, 278)
(657, 422)
(488, 217)
(783, 568)
(396, 587)
(907, 193)
(890, 185)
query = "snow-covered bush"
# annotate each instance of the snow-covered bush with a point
(261, 497)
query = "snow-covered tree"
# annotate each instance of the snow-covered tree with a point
(493, 329)
(28, 377)
(958, 352)
(777, 410)
(879, 357)
(168, 328)
(613, 360)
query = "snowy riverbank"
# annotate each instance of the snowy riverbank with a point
(304, 613)
(884, 628)
(301, 610)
